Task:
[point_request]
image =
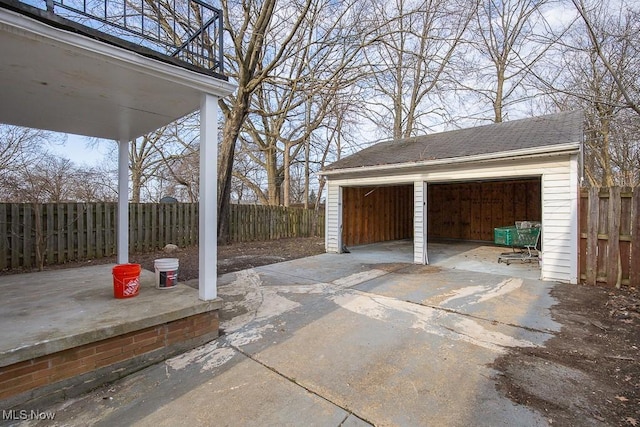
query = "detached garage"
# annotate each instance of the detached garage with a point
(461, 185)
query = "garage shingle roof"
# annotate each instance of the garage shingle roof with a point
(536, 132)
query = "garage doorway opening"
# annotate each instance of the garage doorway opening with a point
(375, 214)
(469, 211)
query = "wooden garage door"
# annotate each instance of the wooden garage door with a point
(376, 214)
(470, 211)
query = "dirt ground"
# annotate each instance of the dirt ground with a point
(234, 257)
(238, 256)
(587, 375)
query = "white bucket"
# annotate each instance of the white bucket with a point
(166, 272)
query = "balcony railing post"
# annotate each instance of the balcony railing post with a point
(220, 45)
(50, 6)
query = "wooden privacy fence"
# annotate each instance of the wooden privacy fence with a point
(610, 236)
(255, 222)
(34, 234)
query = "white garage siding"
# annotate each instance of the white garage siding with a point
(559, 192)
(333, 218)
(419, 222)
(560, 224)
(559, 182)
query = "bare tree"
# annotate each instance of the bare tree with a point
(276, 134)
(180, 152)
(95, 184)
(248, 178)
(251, 63)
(415, 48)
(50, 179)
(596, 69)
(166, 161)
(144, 162)
(295, 96)
(182, 176)
(509, 37)
(623, 29)
(20, 147)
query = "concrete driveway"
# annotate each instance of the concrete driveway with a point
(353, 339)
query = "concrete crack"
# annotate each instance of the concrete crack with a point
(472, 316)
(295, 382)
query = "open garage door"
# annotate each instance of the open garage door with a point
(376, 214)
(471, 210)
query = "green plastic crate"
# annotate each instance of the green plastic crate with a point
(504, 235)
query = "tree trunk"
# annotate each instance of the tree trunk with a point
(307, 149)
(287, 176)
(606, 154)
(136, 185)
(397, 102)
(497, 103)
(230, 133)
(273, 186)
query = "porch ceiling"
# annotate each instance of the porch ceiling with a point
(62, 81)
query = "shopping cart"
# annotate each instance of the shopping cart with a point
(523, 239)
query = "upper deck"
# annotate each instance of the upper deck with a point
(187, 33)
(113, 69)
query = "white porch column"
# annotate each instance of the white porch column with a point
(208, 207)
(123, 202)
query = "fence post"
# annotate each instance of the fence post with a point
(99, 227)
(634, 275)
(30, 235)
(593, 217)
(81, 245)
(614, 267)
(4, 236)
(16, 233)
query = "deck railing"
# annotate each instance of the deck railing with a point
(190, 30)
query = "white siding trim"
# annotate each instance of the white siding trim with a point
(420, 255)
(333, 218)
(575, 228)
(326, 221)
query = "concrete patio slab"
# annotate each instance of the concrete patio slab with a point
(505, 299)
(374, 341)
(469, 256)
(274, 400)
(50, 311)
(390, 373)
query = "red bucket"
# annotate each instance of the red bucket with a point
(126, 280)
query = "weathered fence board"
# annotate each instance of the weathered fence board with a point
(592, 236)
(612, 236)
(634, 275)
(614, 268)
(15, 242)
(54, 233)
(4, 237)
